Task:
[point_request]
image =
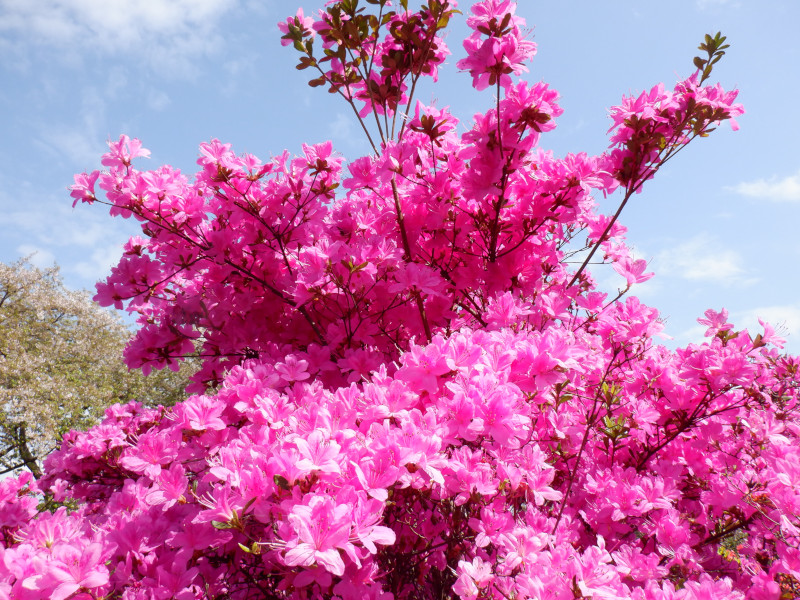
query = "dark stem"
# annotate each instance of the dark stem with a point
(407, 255)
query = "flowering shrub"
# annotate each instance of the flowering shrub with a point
(406, 390)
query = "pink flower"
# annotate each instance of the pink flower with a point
(319, 453)
(376, 475)
(715, 321)
(299, 21)
(83, 189)
(151, 452)
(70, 570)
(769, 337)
(292, 369)
(632, 270)
(323, 528)
(123, 151)
(472, 576)
(490, 61)
(366, 516)
(171, 487)
(200, 413)
(363, 173)
(221, 505)
(417, 279)
(423, 366)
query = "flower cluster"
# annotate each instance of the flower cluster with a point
(497, 47)
(374, 59)
(407, 392)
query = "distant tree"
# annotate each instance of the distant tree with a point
(60, 364)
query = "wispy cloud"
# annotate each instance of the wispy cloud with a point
(342, 127)
(98, 264)
(85, 241)
(784, 318)
(706, 4)
(76, 145)
(80, 141)
(53, 225)
(157, 100)
(702, 258)
(169, 33)
(786, 189)
(39, 257)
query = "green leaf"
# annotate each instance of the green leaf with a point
(221, 525)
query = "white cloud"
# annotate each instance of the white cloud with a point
(785, 319)
(262, 8)
(779, 190)
(117, 81)
(51, 225)
(98, 265)
(342, 127)
(80, 141)
(85, 241)
(692, 335)
(157, 100)
(702, 259)
(706, 4)
(168, 33)
(78, 146)
(39, 257)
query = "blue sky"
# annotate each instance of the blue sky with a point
(719, 224)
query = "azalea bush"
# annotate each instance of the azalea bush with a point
(411, 386)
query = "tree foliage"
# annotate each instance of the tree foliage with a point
(60, 364)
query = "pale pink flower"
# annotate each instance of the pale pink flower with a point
(322, 528)
(319, 452)
(70, 570)
(472, 577)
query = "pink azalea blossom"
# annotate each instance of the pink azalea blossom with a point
(323, 528)
(70, 570)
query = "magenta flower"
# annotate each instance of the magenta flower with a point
(319, 453)
(83, 188)
(299, 21)
(632, 270)
(123, 151)
(151, 452)
(366, 516)
(715, 321)
(472, 577)
(376, 475)
(70, 570)
(200, 413)
(292, 369)
(322, 528)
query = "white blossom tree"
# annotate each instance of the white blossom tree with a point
(60, 364)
